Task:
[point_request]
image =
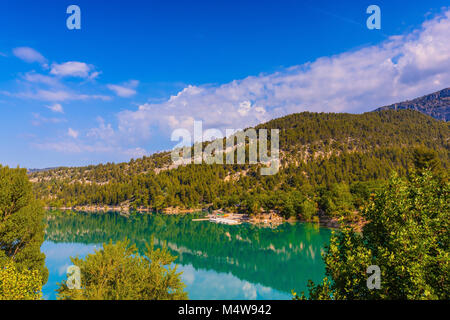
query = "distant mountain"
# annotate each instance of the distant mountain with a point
(329, 161)
(436, 105)
(324, 157)
(40, 170)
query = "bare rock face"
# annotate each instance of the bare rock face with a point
(436, 105)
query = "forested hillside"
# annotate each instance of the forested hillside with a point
(331, 162)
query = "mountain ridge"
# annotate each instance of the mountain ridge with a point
(331, 163)
(436, 105)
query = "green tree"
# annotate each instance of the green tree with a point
(159, 202)
(308, 209)
(407, 236)
(119, 272)
(250, 205)
(426, 158)
(338, 201)
(21, 222)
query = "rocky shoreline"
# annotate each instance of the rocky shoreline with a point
(122, 209)
(269, 219)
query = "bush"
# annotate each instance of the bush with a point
(119, 272)
(407, 236)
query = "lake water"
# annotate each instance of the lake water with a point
(217, 261)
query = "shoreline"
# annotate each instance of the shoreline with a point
(268, 219)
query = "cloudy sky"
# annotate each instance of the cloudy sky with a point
(136, 71)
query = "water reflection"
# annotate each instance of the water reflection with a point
(218, 261)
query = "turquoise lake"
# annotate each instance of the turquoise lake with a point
(218, 261)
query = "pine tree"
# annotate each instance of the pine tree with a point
(21, 223)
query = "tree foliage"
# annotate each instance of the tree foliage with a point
(119, 272)
(19, 285)
(21, 222)
(407, 236)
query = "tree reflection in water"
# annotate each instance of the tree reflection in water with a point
(283, 258)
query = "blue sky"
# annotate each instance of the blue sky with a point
(137, 70)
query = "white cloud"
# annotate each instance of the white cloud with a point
(126, 90)
(59, 95)
(56, 108)
(29, 55)
(122, 91)
(73, 69)
(100, 140)
(38, 78)
(103, 131)
(72, 133)
(39, 120)
(49, 95)
(244, 107)
(400, 68)
(73, 147)
(49, 88)
(77, 145)
(249, 291)
(134, 152)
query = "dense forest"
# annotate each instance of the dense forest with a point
(330, 163)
